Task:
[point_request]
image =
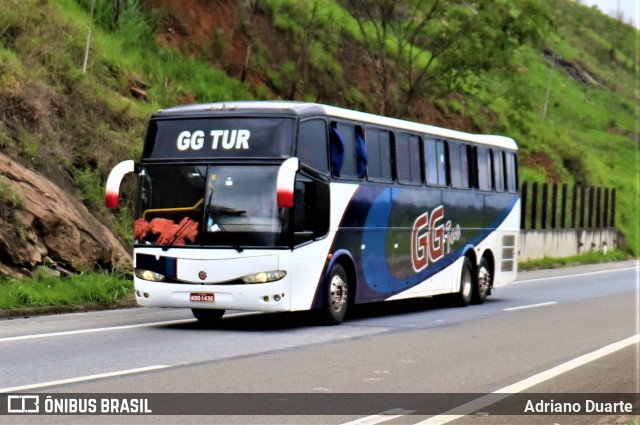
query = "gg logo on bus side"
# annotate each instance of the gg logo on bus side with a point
(428, 238)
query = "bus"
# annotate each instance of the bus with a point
(275, 206)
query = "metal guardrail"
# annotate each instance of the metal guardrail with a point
(552, 206)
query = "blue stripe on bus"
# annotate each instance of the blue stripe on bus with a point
(375, 266)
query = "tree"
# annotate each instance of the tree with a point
(311, 71)
(416, 46)
(250, 10)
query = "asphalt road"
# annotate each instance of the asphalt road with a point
(541, 323)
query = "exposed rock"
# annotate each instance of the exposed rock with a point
(52, 228)
(574, 70)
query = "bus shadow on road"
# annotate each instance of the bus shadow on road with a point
(402, 307)
(260, 322)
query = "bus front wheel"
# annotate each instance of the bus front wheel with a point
(336, 295)
(207, 316)
(466, 283)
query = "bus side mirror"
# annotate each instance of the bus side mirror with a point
(112, 195)
(286, 182)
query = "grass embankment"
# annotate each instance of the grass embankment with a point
(91, 289)
(595, 257)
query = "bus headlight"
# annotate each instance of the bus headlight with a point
(149, 275)
(264, 277)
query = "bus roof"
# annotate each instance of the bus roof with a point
(302, 109)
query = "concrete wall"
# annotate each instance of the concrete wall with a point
(536, 244)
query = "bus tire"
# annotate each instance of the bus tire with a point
(336, 296)
(207, 316)
(466, 283)
(483, 282)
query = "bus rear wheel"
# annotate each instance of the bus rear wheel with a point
(466, 283)
(482, 287)
(207, 316)
(336, 296)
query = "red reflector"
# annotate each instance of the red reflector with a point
(112, 200)
(285, 198)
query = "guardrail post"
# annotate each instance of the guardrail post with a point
(583, 193)
(598, 205)
(534, 204)
(523, 205)
(563, 207)
(544, 206)
(574, 205)
(591, 196)
(554, 205)
(605, 209)
(613, 207)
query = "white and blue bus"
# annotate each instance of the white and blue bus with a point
(289, 206)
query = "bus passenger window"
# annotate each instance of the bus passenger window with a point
(379, 150)
(362, 157)
(483, 161)
(498, 171)
(435, 162)
(459, 163)
(511, 172)
(408, 155)
(348, 135)
(312, 145)
(354, 152)
(336, 142)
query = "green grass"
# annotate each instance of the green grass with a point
(590, 134)
(88, 288)
(594, 257)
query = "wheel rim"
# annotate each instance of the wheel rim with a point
(338, 292)
(466, 282)
(484, 280)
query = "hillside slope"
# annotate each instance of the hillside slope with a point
(73, 126)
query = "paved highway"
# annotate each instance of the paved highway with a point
(551, 331)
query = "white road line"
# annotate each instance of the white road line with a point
(81, 379)
(575, 275)
(486, 400)
(92, 330)
(381, 417)
(523, 307)
(112, 328)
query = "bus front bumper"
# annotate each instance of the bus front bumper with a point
(265, 297)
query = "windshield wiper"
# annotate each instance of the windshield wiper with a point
(226, 211)
(176, 235)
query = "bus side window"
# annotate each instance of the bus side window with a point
(456, 165)
(354, 154)
(312, 145)
(498, 170)
(511, 172)
(409, 169)
(379, 149)
(459, 164)
(467, 164)
(483, 169)
(435, 162)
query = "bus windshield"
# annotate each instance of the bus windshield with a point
(210, 205)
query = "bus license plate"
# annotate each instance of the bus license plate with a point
(199, 297)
